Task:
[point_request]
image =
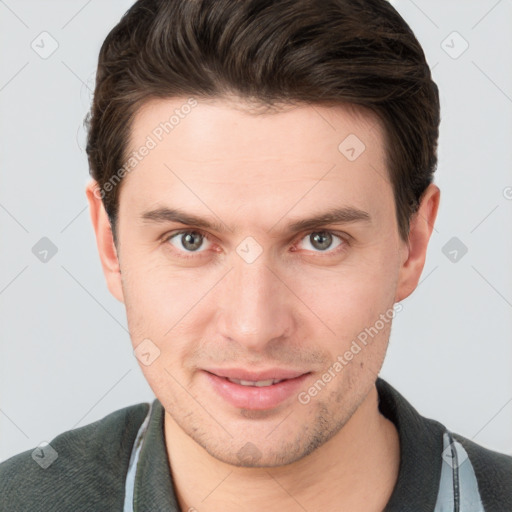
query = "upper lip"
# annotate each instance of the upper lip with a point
(253, 376)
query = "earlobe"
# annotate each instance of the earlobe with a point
(421, 227)
(104, 240)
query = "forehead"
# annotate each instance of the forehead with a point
(206, 128)
(229, 153)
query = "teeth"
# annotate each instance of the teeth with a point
(259, 383)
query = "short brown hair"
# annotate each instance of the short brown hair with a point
(360, 52)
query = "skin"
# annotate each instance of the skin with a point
(298, 305)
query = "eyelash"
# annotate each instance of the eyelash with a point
(339, 249)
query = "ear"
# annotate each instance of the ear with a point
(104, 240)
(415, 250)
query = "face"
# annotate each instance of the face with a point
(254, 250)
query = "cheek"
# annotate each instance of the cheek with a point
(156, 285)
(352, 297)
(152, 299)
(169, 306)
(158, 323)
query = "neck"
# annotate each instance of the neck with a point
(355, 470)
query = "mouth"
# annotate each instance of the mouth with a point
(255, 390)
(257, 383)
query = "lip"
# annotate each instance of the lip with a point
(241, 374)
(253, 397)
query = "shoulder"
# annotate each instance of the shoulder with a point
(493, 472)
(81, 469)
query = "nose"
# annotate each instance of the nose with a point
(254, 306)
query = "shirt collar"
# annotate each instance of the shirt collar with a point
(153, 489)
(421, 445)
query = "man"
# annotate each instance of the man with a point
(262, 199)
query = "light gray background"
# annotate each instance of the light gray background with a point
(66, 358)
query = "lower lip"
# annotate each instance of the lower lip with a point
(253, 397)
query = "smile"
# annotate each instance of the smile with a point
(257, 393)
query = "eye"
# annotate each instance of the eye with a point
(322, 241)
(187, 241)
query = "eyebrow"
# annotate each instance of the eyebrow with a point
(342, 215)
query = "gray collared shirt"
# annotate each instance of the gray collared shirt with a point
(120, 464)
